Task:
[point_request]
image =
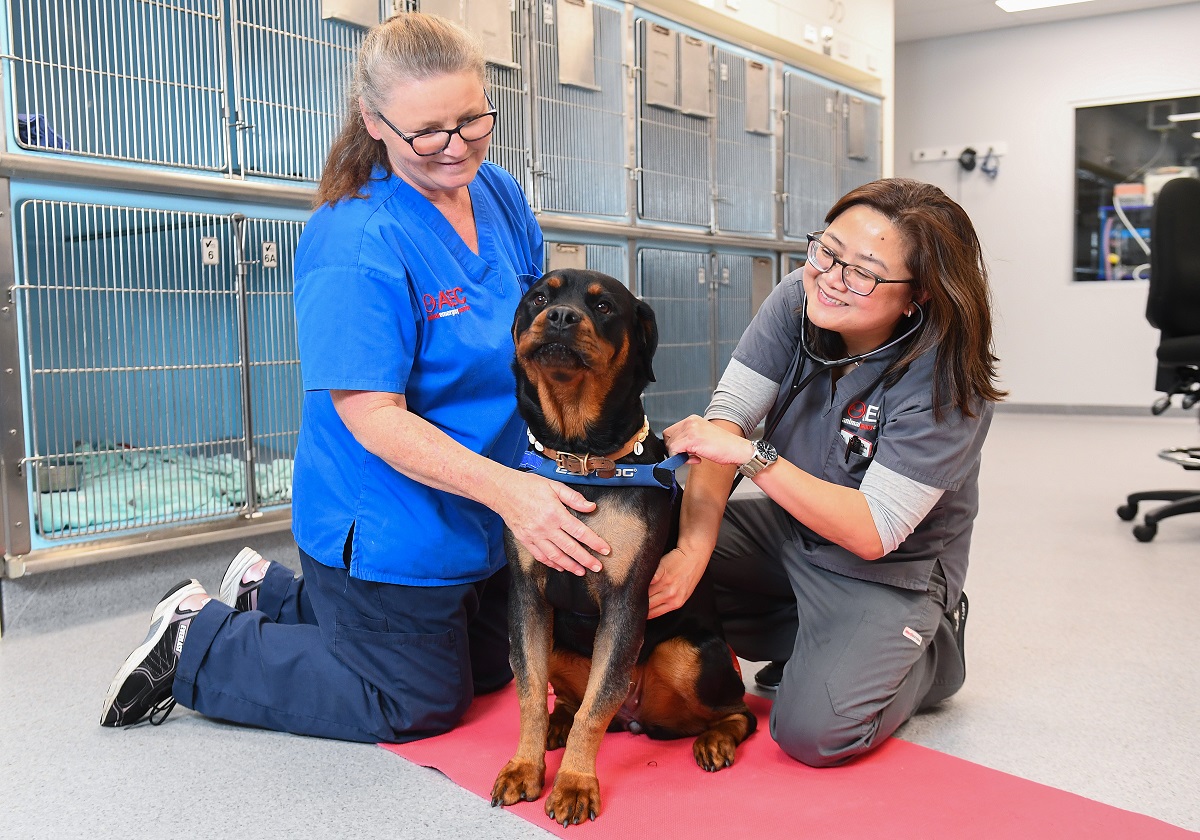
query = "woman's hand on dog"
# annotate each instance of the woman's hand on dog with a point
(702, 439)
(676, 579)
(536, 513)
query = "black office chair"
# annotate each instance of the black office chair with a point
(1173, 308)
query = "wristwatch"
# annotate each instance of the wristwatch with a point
(764, 456)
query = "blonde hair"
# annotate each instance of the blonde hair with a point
(404, 48)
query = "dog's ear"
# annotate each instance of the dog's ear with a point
(519, 314)
(647, 336)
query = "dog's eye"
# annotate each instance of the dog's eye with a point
(604, 307)
(539, 299)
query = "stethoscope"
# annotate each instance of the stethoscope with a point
(822, 364)
(803, 348)
(828, 363)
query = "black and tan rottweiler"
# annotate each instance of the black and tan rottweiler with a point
(584, 348)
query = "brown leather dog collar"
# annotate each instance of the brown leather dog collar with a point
(604, 466)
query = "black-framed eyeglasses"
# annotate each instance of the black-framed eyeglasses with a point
(433, 141)
(856, 278)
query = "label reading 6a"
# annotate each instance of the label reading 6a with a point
(210, 247)
(270, 255)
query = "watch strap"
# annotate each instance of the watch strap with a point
(764, 456)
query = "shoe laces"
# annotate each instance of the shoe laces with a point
(161, 710)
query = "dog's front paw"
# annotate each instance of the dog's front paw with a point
(714, 750)
(518, 780)
(574, 798)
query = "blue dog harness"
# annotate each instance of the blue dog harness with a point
(624, 475)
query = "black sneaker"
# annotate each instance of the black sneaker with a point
(243, 597)
(958, 618)
(770, 675)
(143, 685)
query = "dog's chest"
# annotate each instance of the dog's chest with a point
(632, 522)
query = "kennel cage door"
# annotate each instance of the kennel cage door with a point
(492, 22)
(662, 80)
(758, 106)
(364, 13)
(563, 255)
(856, 129)
(576, 44)
(695, 84)
(449, 9)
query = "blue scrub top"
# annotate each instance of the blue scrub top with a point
(390, 298)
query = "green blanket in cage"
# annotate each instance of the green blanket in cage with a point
(134, 488)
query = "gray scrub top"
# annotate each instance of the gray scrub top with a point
(834, 432)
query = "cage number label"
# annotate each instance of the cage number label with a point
(270, 255)
(210, 247)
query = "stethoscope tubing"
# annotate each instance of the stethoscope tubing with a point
(822, 365)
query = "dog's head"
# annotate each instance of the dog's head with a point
(584, 350)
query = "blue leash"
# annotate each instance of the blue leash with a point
(628, 475)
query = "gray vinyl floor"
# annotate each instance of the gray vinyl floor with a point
(1082, 673)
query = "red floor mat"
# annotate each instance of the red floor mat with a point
(654, 790)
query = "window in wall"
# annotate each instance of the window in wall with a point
(1123, 155)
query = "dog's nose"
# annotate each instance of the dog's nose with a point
(561, 317)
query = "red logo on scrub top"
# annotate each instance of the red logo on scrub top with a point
(860, 425)
(861, 416)
(445, 303)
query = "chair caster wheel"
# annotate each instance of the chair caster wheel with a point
(1127, 512)
(1145, 532)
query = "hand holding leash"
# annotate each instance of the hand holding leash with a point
(536, 513)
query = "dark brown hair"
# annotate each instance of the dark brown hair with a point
(404, 48)
(945, 259)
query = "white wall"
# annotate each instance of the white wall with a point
(1060, 342)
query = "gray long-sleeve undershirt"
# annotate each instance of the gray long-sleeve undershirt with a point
(897, 503)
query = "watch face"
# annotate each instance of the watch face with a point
(764, 456)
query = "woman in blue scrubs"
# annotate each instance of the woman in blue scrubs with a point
(845, 564)
(407, 278)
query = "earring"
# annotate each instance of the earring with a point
(908, 312)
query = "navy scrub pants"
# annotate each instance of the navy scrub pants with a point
(333, 656)
(854, 672)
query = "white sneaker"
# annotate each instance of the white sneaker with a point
(241, 596)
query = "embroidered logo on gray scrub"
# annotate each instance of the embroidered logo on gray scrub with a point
(860, 428)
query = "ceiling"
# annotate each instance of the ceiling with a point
(919, 19)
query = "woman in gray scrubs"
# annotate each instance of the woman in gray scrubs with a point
(847, 569)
